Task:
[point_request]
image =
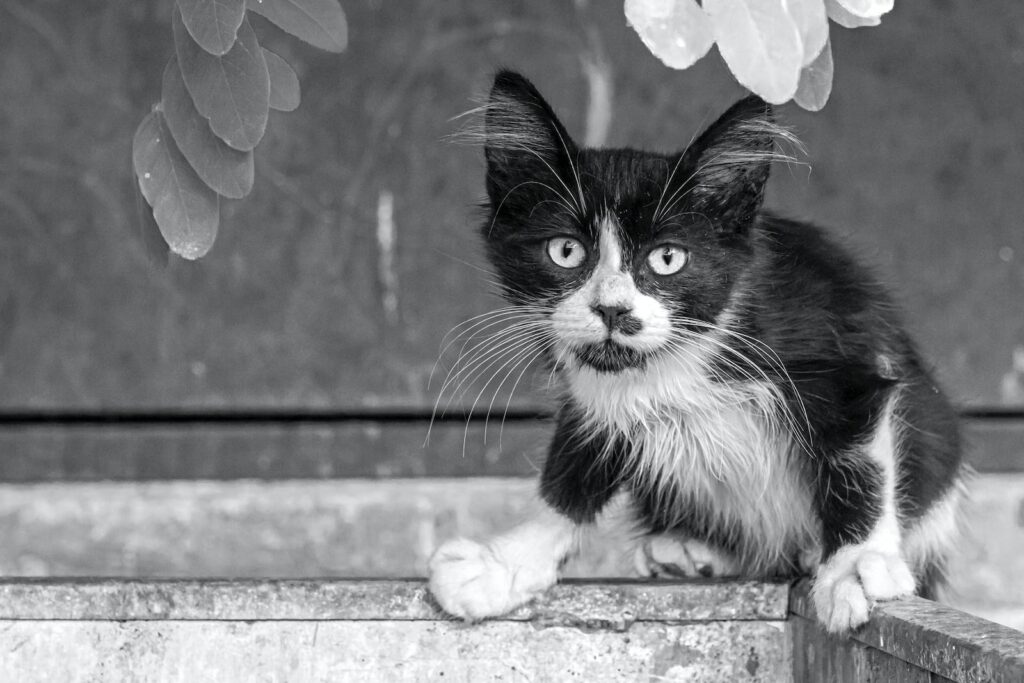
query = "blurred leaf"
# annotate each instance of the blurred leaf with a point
(284, 84)
(232, 91)
(157, 252)
(677, 33)
(867, 9)
(812, 22)
(816, 81)
(186, 210)
(227, 171)
(213, 23)
(847, 19)
(320, 23)
(761, 45)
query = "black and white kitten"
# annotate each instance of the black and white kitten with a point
(735, 380)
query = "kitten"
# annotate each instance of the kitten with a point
(736, 379)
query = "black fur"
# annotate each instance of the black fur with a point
(838, 347)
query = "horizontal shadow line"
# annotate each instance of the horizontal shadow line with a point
(214, 416)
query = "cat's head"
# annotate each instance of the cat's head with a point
(621, 253)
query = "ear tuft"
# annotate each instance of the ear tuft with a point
(732, 160)
(522, 137)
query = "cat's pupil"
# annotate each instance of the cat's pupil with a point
(566, 249)
(666, 255)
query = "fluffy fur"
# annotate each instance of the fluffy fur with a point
(752, 394)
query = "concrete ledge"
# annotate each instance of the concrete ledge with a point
(314, 631)
(915, 635)
(615, 605)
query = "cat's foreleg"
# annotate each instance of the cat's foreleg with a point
(475, 580)
(862, 559)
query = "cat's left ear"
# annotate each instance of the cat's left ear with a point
(524, 140)
(730, 163)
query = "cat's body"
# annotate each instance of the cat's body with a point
(738, 380)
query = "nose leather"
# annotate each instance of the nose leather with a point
(613, 316)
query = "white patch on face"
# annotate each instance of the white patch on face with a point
(574, 321)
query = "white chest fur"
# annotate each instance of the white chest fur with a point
(724, 453)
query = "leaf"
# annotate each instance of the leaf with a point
(227, 171)
(812, 22)
(284, 84)
(677, 33)
(761, 45)
(186, 210)
(213, 23)
(232, 91)
(869, 9)
(847, 19)
(153, 243)
(816, 81)
(320, 23)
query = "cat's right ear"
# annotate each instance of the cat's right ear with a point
(523, 139)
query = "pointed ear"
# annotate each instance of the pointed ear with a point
(731, 161)
(523, 138)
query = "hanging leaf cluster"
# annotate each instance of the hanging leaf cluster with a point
(779, 49)
(197, 143)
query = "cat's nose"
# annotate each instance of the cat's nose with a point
(613, 316)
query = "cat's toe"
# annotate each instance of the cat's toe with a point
(852, 580)
(672, 556)
(472, 581)
(884, 577)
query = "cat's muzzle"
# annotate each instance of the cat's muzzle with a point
(609, 356)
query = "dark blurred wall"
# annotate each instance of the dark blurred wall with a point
(918, 161)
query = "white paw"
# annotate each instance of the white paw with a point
(668, 555)
(852, 580)
(473, 581)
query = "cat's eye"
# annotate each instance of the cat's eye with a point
(668, 259)
(566, 252)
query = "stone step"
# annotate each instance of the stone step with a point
(364, 631)
(375, 528)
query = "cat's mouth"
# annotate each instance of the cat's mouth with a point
(608, 356)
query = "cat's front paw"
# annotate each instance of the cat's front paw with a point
(675, 556)
(472, 581)
(852, 580)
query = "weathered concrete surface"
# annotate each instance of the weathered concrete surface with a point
(229, 651)
(379, 528)
(228, 631)
(615, 605)
(928, 636)
(988, 576)
(289, 529)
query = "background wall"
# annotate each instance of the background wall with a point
(917, 160)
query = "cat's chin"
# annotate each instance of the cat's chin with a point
(610, 357)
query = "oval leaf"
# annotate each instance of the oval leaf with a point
(153, 243)
(213, 23)
(320, 23)
(868, 9)
(186, 210)
(284, 84)
(812, 22)
(847, 19)
(761, 45)
(227, 171)
(676, 33)
(232, 91)
(816, 81)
